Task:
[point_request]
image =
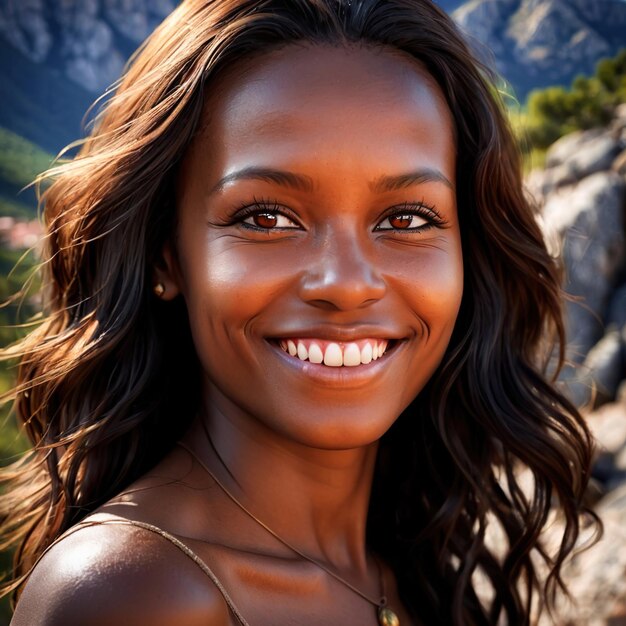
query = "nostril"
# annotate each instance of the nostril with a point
(342, 292)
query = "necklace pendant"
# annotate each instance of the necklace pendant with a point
(386, 617)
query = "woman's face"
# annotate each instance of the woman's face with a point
(317, 212)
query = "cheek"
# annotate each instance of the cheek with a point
(238, 277)
(228, 283)
(430, 282)
(431, 287)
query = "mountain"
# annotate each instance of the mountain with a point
(87, 40)
(449, 5)
(537, 43)
(58, 56)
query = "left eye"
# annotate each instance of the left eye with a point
(269, 220)
(402, 221)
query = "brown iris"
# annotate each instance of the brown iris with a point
(265, 220)
(401, 221)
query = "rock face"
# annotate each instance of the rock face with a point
(545, 42)
(58, 55)
(588, 218)
(581, 196)
(596, 577)
(449, 5)
(87, 40)
(535, 42)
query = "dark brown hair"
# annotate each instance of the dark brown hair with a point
(110, 379)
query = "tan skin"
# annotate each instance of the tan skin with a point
(356, 238)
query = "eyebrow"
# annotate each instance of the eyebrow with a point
(425, 175)
(305, 183)
(280, 177)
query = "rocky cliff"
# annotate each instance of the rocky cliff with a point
(449, 5)
(56, 56)
(538, 43)
(535, 42)
(86, 40)
(581, 197)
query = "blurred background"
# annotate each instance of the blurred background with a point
(563, 69)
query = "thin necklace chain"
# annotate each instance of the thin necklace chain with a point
(382, 602)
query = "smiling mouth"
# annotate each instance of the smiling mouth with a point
(336, 353)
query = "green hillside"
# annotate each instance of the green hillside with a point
(20, 159)
(20, 162)
(39, 103)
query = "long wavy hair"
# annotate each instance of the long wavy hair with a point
(110, 379)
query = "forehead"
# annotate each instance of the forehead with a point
(342, 103)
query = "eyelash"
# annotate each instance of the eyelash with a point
(419, 209)
(257, 207)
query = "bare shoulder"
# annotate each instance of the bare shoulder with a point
(119, 574)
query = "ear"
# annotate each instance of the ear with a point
(166, 280)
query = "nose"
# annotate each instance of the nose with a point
(343, 276)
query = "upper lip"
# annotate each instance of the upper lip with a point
(339, 333)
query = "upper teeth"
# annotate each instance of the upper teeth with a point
(335, 354)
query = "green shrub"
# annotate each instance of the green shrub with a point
(589, 102)
(20, 160)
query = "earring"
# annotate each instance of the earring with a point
(159, 290)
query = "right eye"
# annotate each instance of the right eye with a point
(403, 221)
(268, 220)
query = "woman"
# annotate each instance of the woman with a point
(296, 299)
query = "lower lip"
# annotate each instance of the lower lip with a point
(356, 376)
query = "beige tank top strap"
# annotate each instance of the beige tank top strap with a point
(174, 541)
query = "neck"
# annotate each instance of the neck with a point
(315, 499)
